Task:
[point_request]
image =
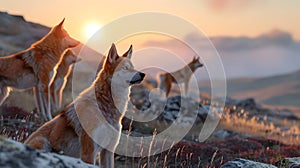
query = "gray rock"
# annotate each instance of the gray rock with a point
(222, 135)
(244, 163)
(173, 103)
(14, 154)
(246, 104)
(289, 163)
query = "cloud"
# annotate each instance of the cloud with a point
(275, 38)
(221, 5)
(268, 54)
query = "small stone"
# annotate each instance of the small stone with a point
(244, 163)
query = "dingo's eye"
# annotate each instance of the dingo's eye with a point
(125, 67)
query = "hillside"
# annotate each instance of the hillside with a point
(17, 34)
(279, 91)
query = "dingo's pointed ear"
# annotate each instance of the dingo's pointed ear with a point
(112, 54)
(72, 52)
(128, 53)
(196, 58)
(60, 25)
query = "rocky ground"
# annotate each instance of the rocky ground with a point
(222, 148)
(270, 137)
(14, 154)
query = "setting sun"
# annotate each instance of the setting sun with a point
(91, 29)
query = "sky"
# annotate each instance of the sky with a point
(214, 17)
(258, 35)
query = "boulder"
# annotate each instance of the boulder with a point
(289, 163)
(14, 154)
(244, 163)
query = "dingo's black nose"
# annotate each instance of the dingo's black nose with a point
(137, 78)
(142, 75)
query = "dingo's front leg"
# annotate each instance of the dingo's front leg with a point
(39, 103)
(107, 158)
(88, 152)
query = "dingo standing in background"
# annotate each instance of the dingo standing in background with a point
(36, 67)
(87, 119)
(59, 83)
(182, 75)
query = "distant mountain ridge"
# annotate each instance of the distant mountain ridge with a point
(280, 90)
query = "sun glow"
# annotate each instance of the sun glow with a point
(91, 29)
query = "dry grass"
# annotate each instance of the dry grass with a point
(282, 130)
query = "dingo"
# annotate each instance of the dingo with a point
(36, 67)
(59, 83)
(74, 130)
(182, 75)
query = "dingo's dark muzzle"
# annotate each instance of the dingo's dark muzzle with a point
(137, 78)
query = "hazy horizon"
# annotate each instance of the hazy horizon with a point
(253, 38)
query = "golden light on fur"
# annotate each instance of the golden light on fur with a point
(92, 122)
(91, 28)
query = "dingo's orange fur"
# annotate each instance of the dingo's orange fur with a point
(182, 75)
(76, 128)
(36, 67)
(59, 83)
